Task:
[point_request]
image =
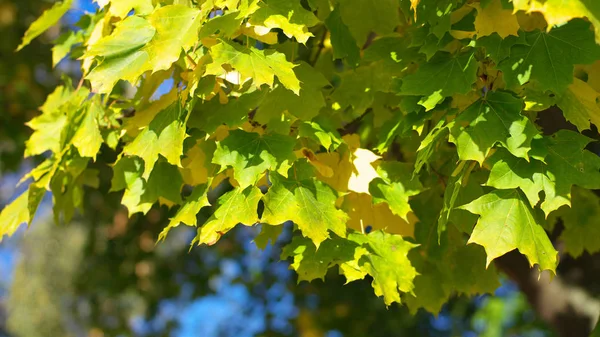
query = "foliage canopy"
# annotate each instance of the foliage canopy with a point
(402, 138)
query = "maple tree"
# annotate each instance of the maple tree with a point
(401, 138)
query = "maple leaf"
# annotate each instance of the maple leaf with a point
(87, 138)
(362, 17)
(260, 65)
(557, 12)
(565, 163)
(495, 19)
(188, 211)
(48, 19)
(164, 136)
(568, 164)
(493, 119)
(452, 74)
(581, 230)
(64, 44)
(209, 115)
(311, 263)
(388, 264)
(579, 106)
(121, 8)
(250, 154)
(21, 210)
(395, 187)
(366, 216)
(381, 255)
(307, 202)
(287, 15)
(305, 105)
(498, 48)
(344, 45)
(129, 35)
(176, 28)
(548, 58)
(163, 184)
(234, 207)
(507, 222)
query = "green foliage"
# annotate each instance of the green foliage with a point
(371, 126)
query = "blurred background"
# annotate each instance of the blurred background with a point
(103, 275)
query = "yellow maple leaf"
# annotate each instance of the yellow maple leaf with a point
(365, 216)
(579, 105)
(341, 169)
(132, 126)
(322, 168)
(557, 12)
(194, 169)
(593, 75)
(531, 21)
(495, 19)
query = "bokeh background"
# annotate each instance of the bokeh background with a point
(103, 275)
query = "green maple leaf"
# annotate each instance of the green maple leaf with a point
(326, 135)
(581, 231)
(267, 233)
(87, 138)
(188, 211)
(209, 115)
(64, 44)
(548, 58)
(507, 171)
(394, 51)
(129, 67)
(260, 65)
(21, 210)
(363, 17)
(565, 163)
(251, 154)
(396, 187)
(568, 163)
(343, 43)
(507, 222)
(434, 13)
(443, 76)
(176, 29)
(307, 202)
(359, 85)
(46, 136)
(287, 15)
(429, 144)
(454, 186)
(234, 207)
(164, 184)
(47, 20)
(498, 48)
(127, 175)
(311, 263)
(493, 119)
(121, 8)
(49, 125)
(557, 12)
(226, 26)
(387, 262)
(164, 136)
(129, 35)
(381, 255)
(305, 105)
